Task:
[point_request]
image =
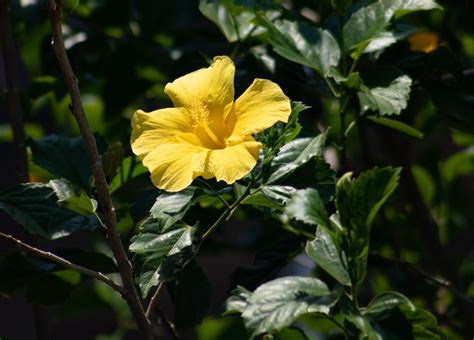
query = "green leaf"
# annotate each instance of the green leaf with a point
(370, 21)
(289, 333)
(460, 163)
(326, 253)
(384, 303)
(294, 154)
(37, 208)
(387, 38)
(276, 304)
(160, 253)
(358, 201)
(71, 198)
(193, 294)
(235, 22)
(352, 80)
(397, 125)
(307, 206)
(237, 302)
(270, 196)
(169, 208)
(352, 315)
(386, 100)
(64, 157)
(112, 159)
(304, 44)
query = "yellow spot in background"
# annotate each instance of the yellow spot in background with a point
(424, 41)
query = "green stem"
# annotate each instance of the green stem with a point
(228, 212)
(332, 88)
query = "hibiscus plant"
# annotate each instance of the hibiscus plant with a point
(226, 167)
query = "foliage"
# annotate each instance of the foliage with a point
(357, 214)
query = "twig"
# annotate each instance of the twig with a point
(110, 220)
(153, 300)
(13, 91)
(425, 275)
(65, 263)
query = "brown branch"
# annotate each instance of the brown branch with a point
(65, 263)
(411, 267)
(161, 315)
(103, 195)
(13, 91)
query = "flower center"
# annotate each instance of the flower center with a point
(202, 121)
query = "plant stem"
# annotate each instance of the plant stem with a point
(161, 315)
(228, 212)
(344, 102)
(110, 220)
(13, 92)
(65, 263)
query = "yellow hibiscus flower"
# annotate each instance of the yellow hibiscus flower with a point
(206, 134)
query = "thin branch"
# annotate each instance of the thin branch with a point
(110, 220)
(440, 282)
(65, 263)
(13, 91)
(153, 300)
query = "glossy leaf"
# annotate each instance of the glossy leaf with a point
(307, 206)
(169, 208)
(386, 100)
(276, 304)
(270, 196)
(294, 154)
(370, 21)
(64, 157)
(161, 253)
(304, 44)
(327, 254)
(37, 207)
(382, 304)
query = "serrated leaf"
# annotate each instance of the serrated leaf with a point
(35, 206)
(397, 125)
(307, 206)
(169, 208)
(64, 157)
(383, 304)
(294, 154)
(235, 22)
(304, 44)
(192, 296)
(325, 252)
(386, 100)
(270, 196)
(370, 21)
(237, 302)
(161, 253)
(276, 304)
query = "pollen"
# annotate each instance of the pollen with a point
(200, 114)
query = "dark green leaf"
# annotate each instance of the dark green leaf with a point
(294, 154)
(36, 206)
(237, 302)
(307, 206)
(326, 253)
(270, 196)
(64, 157)
(352, 80)
(397, 125)
(161, 253)
(193, 294)
(276, 304)
(386, 100)
(370, 21)
(289, 333)
(460, 163)
(384, 303)
(304, 44)
(235, 22)
(169, 208)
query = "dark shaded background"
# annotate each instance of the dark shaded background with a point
(124, 52)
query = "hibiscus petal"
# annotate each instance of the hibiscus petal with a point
(172, 165)
(150, 129)
(259, 107)
(229, 164)
(212, 86)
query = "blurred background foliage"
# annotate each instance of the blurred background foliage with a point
(124, 52)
